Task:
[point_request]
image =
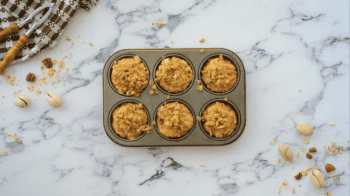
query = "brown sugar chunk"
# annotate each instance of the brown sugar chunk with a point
(329, 167)
(312, 150)
(47, 62)
(220, 120)
(309, 156)
(298, 176)
(31, 77)
(174, 119)
(219, 75)
(130, 76)
(129, 120)
(174, 74)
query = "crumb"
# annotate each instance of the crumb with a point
(347, 163)
(299, 185)
(200, 88)
(333, 143)
(335, 178)
(202, 40)
(306, 142)
(156, 92)
(151, 83)
(154, 87)
(329, 167)
(67, 69)
(285, 183)
(42, 67)
(154, 123)
(324, 192)
(298, 176)
(340, 146)
(160, 25)
(202, 166)
(279, 191)
(299, 91)
(293, 191)
(309, 156)
(64, 84)
(199, 82)
(298, 154)
(316, 167)
(73, 43)
(347, 141)
(227, 99)
(91, 44)
(151, 92)
(5, 153)
(280, 187)
(3, 118)
(340, 151)
(28, 145)
(201, 51)
(152, 23)
(168, 97)
(16, 138)
(272, 143)
(308, 169)
(304, 173)
(51, 72)
(68, 38)
(38, 91)
(279, 160)
(324, 145)
(313, 149)
(30, 88)
(232, 187)
(172, 41)
(332, 124)
(198, 118)
(329, 194)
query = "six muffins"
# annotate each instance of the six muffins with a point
(174, 74)
(129, 120)
(219, 120)
(174, 120)
(219, 75)
(130, 76)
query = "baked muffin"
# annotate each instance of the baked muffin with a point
(174, 74)
(174, 119)
(129, 120)
(130, 76)
(219, 120)
(219, 75)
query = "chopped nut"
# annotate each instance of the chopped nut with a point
(306, 142)
(160, 25)
(172, 41)
(200, 88)
(154, 123)
(335, 178)
(329, 167)
(5, 153)
(313, 149)
(298, 176)
(298, 154)
(202, 40)
(272, 143)
(47, 62)
(201, 51)
(91, 44)
(332, 124)
(309, 156)
(31, 77)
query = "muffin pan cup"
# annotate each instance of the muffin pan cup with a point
(194, 99)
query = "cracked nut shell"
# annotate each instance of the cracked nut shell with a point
(54, 99)
(305, 129)
(317, 178)
(285, 152)
(22, 101)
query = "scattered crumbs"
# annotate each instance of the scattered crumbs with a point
(279, 191)
(30, 88)
(299, 91)
(202, 166)
(232, 187)
(332, 124)
(199, 82)
(64, 84)
(298, 154)
(201, 51)
(151, 92)
(200, 88)
(42, 67)
(160, 25)
(335, 178)
(38, 91)
(202, 40)
(5, 153)
(293, 191)
(73, 43)
(226, 99)
(91, 44)
(67, 69)
(68, 38)
(279, 160)
(16, 138)
(154, 123)
(172, 41)
(168, 97)
(333, 143)
(272, 143)
(198, 118)
(306, 142)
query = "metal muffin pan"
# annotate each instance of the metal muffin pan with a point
(196, 101)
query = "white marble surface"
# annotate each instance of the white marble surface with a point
(286, 46)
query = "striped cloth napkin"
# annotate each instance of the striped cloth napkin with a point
(47, 34)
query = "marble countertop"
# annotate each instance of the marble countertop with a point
(296, 55)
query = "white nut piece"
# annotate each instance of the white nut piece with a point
(305, 129)
(22, 101)
(285, 152)
(53, 99)
(317, 178)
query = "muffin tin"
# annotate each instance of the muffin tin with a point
(195, 100)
